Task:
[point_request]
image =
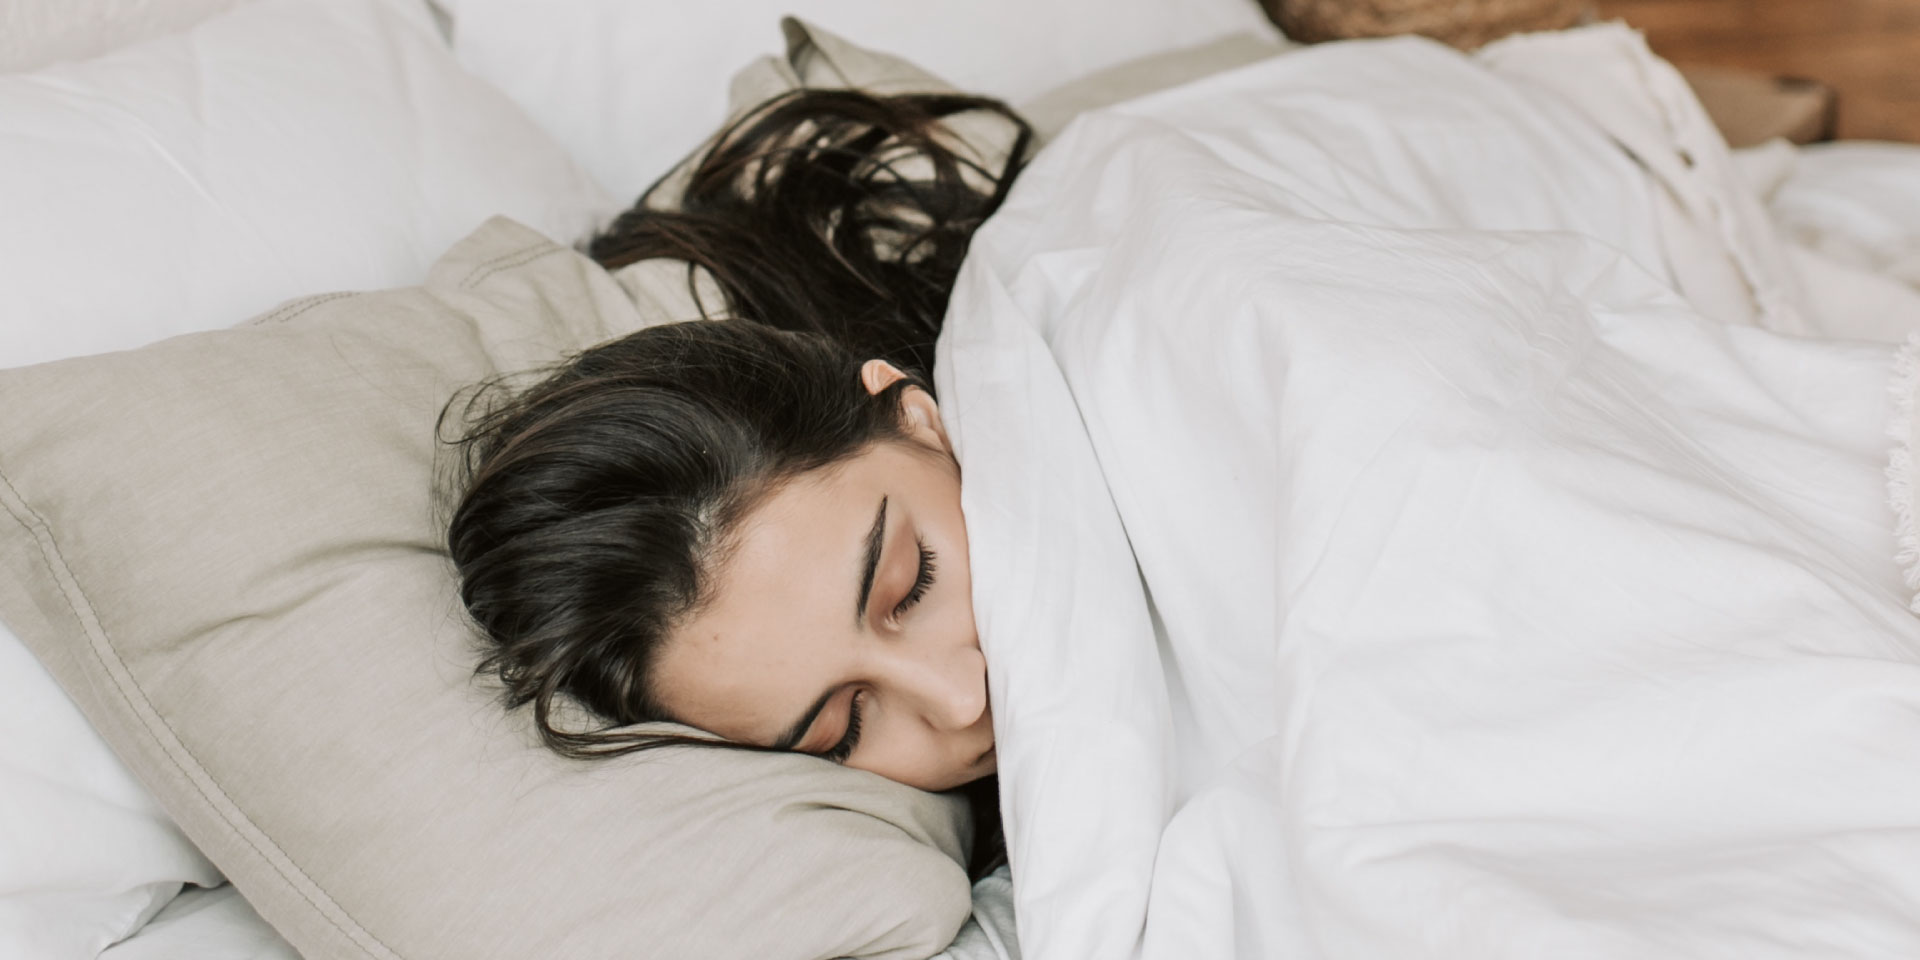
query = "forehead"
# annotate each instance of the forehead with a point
(795, 543)
(805, 543)
(780, 608)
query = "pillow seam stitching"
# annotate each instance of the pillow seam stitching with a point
(293, 310)
(507, 261)
(71, 592)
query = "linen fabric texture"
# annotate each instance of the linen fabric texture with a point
(199, 168)
(225, 547)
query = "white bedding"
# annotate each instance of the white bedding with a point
(1858, 203)
(204, 924)
(1375, 557)
(1157, 805)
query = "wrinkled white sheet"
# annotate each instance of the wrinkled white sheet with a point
(1858, 203)
(1375, 558)
(1849, 214)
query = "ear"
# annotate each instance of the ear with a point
(923, 415)
(877, 375)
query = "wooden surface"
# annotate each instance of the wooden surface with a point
(1868, 51)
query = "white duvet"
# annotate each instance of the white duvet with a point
(1375, 558)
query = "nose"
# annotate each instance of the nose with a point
(947, 687)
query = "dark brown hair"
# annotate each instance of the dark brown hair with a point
(834, 212)
(595, 501)
(590, 505)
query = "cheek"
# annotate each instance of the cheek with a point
(906, 755)
(715, 675)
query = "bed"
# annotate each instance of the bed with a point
(406, 125)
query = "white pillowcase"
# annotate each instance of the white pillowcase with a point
(86, 855)
(215, 924)
(630, 88)
(34, 33)
(186, 183)
(284, 147)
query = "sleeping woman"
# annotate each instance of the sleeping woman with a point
(1401, 552)
(750, 523)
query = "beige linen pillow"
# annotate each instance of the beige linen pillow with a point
(1052, 111)
(818, 58)
(224, 547)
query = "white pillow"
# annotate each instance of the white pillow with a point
(286, 146)
(86, 856)
(34, 33)
(216, 924)
(186, 183)
(630, 88)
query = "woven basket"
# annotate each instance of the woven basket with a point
(1463, 23)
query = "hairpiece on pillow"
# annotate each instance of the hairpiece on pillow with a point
(224, 547)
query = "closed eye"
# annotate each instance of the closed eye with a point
(922, 580)
(839, 752)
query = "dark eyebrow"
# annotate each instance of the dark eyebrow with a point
(874, 538)
(798, 731)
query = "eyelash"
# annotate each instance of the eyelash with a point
(922, 581)
(844, 749)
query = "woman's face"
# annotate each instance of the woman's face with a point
(841, 619)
